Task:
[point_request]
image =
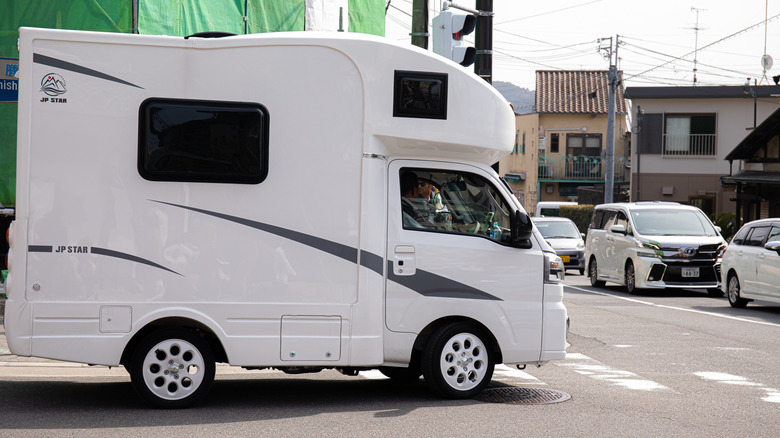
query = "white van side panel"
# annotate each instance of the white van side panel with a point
(121, 239)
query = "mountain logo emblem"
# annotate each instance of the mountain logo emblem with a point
(53, 84)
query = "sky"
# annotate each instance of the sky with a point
(658, 40)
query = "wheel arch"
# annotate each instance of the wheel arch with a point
(200, 329)
(425, 334)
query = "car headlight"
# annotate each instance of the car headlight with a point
(554, 272)
(581, 245)
(648, 248)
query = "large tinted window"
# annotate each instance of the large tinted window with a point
(420, 95)
(757, 236)
(453, 202)
(203, 141)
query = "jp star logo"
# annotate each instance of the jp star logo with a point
(53, 84)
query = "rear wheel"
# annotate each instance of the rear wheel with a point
(593, 271)
(172, 368)
(734, 299)
(457, 362)
(630, 277)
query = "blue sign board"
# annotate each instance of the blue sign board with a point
(9, 80)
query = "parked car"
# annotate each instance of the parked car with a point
(751, 263)
(654, 245)
(567, 241)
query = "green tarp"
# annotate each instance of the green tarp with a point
(155, 17)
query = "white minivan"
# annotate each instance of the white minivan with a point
(653, 245)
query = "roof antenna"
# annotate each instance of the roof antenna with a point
(696, 44)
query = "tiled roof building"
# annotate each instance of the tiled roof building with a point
(576, 92)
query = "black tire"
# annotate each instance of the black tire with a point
(714, 292)
(172, 368)
(458, 361)
(630, 277)
(402, 375)
(735, 300)
(582, 271)
(593, 270)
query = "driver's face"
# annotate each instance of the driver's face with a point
(424, 189)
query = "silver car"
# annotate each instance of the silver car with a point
(564, 237)
(751, 263)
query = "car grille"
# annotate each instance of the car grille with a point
(704, 257)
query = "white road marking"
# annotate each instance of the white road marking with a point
(504, 372)
(596, 370)
(701, 312)
(772, 395)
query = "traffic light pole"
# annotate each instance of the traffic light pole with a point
(420, 23)
(483, 40)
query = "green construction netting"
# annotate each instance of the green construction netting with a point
(156, 17)
(99, 15)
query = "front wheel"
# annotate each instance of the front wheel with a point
(457, 362)
(172, 368)
(734, 298)
(630, 277)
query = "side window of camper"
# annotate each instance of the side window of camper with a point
(453, 202)
(203, 141)
(420, 95)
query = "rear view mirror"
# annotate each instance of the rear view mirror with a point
(522, 229)
(773, 246)
(455, 186)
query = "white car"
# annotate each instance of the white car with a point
(653, 245)
(751, 263)
(567, 241)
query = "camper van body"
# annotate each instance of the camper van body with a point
(299, 263)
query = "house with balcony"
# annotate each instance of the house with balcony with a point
(682, 138)
(561, 146)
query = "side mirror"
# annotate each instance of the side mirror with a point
(522, 229)
(618, 229)
(773, 246)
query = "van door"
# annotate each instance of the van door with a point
(448, 253)
(621, 246)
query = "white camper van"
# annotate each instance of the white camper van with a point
(296, 201)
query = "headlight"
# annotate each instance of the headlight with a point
(581, 245)
(648, 249)
(554, 271)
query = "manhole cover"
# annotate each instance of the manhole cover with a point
(522, 396)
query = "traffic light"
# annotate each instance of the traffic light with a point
(449, 28)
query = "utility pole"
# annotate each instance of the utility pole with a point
(483, 40)
(609, 159)
(696, 45)
(420, 23)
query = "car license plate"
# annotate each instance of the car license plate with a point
(565, 259)
(690, 272)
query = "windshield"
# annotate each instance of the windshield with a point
(558, 230)
(672, 223)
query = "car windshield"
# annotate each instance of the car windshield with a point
(668, 222)
(558, 230)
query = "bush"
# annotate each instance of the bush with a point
(727, 223)
(580, 214)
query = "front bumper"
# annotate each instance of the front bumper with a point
(655, 273)
(572, 258)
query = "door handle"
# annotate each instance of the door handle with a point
(404, 260)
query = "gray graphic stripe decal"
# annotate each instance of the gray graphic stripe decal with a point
(432, 285)
(40, 248)
(337, 249)
(58, 63)
(132, 258)
(423, 282)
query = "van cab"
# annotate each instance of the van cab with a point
(653, 245)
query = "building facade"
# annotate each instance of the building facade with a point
(682, 138)
(562, 146)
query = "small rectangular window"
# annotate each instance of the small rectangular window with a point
(203, 141)
(554, 142)
(420, 95)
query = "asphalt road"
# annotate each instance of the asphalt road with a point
(670, 363)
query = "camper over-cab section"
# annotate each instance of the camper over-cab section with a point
(297, 201)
